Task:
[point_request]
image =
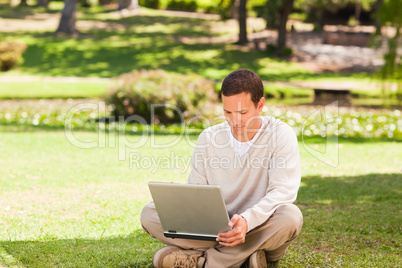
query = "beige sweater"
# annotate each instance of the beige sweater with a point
(267, 175)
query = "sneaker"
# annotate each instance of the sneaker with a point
(170, 256)
(257, 260)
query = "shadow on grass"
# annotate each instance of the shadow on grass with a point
(363, 191)
(21, 12)
(8, 12)
(214, 60)
(147, 42)
(349, 215)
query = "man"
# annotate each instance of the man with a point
(255, 160)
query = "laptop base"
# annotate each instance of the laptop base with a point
(193, 237)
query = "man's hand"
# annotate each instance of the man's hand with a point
(235, 236)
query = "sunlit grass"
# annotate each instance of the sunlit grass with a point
(49, 90)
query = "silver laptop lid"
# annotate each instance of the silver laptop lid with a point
(190, 211)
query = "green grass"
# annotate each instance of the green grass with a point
(69, 207)
(50, 90)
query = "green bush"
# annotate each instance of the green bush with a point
(134, 94)
(10, 54)
(184, 5)
(270, 49)
(150, 3)
(224, 9)
(285, 52)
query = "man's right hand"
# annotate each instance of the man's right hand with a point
(235, 236)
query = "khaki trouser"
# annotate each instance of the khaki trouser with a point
(274, 236)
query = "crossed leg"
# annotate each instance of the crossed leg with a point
(274, 237)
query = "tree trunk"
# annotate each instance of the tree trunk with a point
(376, 7)
(104, 2)
(235, 9)
(321, 19)
(358, 11)
(283, 13)
(68, 17)
(43, 3)
(23, 3)
(128, 4)
(242, 23)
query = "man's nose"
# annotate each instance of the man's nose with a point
(236, 119)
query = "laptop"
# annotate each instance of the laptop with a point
(190, 211)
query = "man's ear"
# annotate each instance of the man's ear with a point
(261, 104)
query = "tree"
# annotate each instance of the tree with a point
(68, 17)
(104, 2)
(242, 22)
(128, 4)
(376, 7)
(44, 3)
(284, 11)
(23, 3)
(277, 17)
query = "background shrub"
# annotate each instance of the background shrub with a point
(10, 54)
(285, 52)
(150, 3)
(185, 5)
(134, 93)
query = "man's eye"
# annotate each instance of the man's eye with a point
(243, 112)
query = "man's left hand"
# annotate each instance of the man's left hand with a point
(235, 236)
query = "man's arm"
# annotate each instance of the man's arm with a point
(284, 182)
(197, 174)
(284, 178)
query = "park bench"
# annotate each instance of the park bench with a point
(347, 36)
(326, 92)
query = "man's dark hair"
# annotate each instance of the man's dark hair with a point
(243, 80)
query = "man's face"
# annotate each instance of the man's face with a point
(242, 115)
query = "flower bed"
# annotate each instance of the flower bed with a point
(309, 121)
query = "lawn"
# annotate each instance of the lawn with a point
(70, 207)
(42, 89)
